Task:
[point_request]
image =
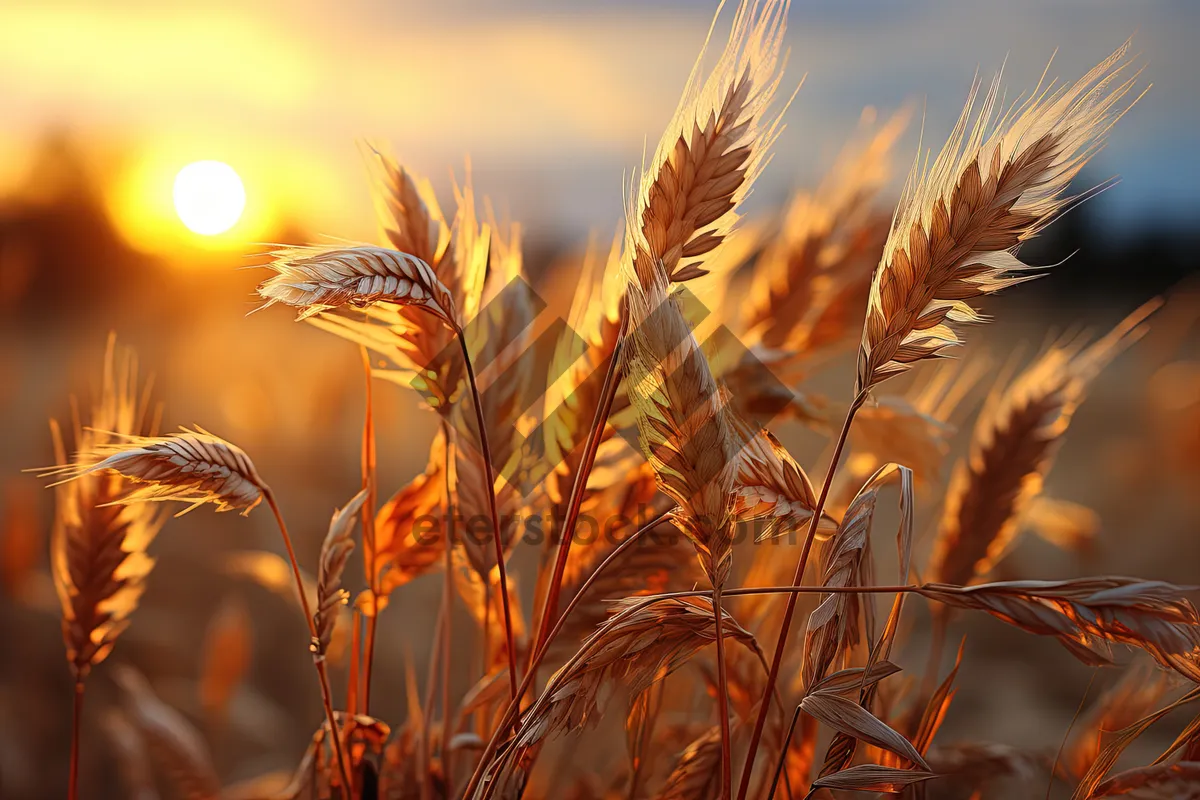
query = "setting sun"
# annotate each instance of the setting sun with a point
(209, 197)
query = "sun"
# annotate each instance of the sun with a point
(209, 197)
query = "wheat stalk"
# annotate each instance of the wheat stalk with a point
(956, 227)
(196, 467)
(952, 239)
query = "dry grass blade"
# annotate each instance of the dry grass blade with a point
(226, 657)
(697, 773)
(192, 466)
(1013, 449)
(854, 678)
(873, 778)
(1120, 741)
(713, 149)
(848, 717)
(98, 549)
(1088, 613)
(1178, 781)
(957, 225)
(318, 278)
(335, 550)
(841, 749)
(173, 741)
(834, 625)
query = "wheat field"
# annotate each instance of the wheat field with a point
(740, 522)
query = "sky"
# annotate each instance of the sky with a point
(552, 102)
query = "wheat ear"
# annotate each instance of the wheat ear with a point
(713, 149)
(196, 467)
(952, 239)
(316, 279)
(1013, 448)
(956, 227)
(98, 555)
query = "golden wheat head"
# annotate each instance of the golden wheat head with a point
(98, 550)
(1013, 448)
(684, 425)
(192, 466)
(318, 278)
(713, 149)
(955, 230)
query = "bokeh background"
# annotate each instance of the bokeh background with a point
(549, 105)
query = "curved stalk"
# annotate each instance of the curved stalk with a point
(318, 659)
(790, 610)
(490, 477)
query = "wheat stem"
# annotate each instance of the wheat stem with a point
(426, 749)
(318, 660)
(790, 610)
(510, 713)
(579, 487)
(723, 699)
(76, 720)
(368, 531)
(448, 626)
(490, 477)
(787, 742)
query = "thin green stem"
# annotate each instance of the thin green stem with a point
(314, 645)
(790, 610)
(490, 477)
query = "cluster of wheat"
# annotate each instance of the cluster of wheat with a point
(619, 614)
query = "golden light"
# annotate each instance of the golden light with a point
(209, 197)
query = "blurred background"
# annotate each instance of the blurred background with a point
(147, 149)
